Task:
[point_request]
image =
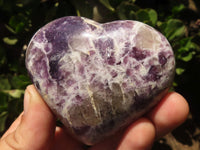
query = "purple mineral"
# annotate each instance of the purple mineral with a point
(98, 78)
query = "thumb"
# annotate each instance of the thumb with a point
(34, 129)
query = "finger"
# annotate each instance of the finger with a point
(169, 113)
(14, 126)
(63, 141)
(139, 136)
(37, 126)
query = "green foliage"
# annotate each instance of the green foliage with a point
(10, 41)
(173, 29)
(20, 19)
(106, 3)
(148, 16)
(3, 117)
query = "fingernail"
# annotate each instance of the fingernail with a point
(26, 101)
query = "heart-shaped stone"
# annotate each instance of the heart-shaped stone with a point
(98, 78)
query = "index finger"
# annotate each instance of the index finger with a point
(171, 112)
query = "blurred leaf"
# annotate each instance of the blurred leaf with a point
(115, 3)
(142, 15)
(83, 8)
(188, 57)
(19, 82)
(13, 67)
(159, 23)
(3, 58)
(28, 2)
(127, 10)
(153, 16)
(132, 15)
(186, 44)
(1, 2)
(10, 41)
(10, 29)
(148, 16)
(14, 93)
(15, 107)
(178, 9)
(121, 12)
(174, 84)
(19, 5)
(106, 3)
(173, 28)
(7, 6)
(179, 71)
(18, 22)
(3, 117)
(187, 49)
(3, 102)
(51, 13)
(4, 84)
(20, 27)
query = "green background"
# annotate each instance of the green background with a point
(179, 21)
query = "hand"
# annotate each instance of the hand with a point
(35, 128)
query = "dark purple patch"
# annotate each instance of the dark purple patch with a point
(78, 98)
(81, 130)
(81, 69)
(58, 32)
(153, 73)
(138, 54)
(92, 77)
(60, 43)
(111, 60)
(37, 85)
(61, 103)
(118, 63)
(137, 67)
(125, 60)
(103, 45)
(128, 72)
(47, 49)
(54, 69)
(106, 126)
(140, 100)
(91, 52)
(127, 44)
(113, 73)
(162, 58)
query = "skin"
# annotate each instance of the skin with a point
(35, 128)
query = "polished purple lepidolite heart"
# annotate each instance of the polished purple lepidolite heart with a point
(98, 78)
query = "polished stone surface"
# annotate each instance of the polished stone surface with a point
(96, 77)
